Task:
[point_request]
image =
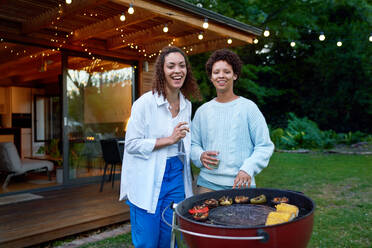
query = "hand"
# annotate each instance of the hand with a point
(242, 180)
(179, 132)
(209, 158)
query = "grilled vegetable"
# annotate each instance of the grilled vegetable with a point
(277, 200)
(200, 216)
(211, 203)
(241, 199)
(225, 201)
(259, 199)
(284, 207)
(278, 217)
(199, 209)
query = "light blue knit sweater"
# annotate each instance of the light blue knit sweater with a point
(237, 130)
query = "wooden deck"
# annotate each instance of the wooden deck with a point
(60, 213)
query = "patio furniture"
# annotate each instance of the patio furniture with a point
(113, 155)
(13, 165)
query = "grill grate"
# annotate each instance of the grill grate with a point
(240, 215)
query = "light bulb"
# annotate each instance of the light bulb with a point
(255, 41)
(122, 17)
(322, 36)
(200, 36)
(229, 41)
(293, 44)
(165, 29)
(339, 43)
(266, 33)
(130, 10)
(68, 1)
(370, 38)
(205, 24)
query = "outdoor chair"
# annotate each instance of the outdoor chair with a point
(13, 165)
(112, 155)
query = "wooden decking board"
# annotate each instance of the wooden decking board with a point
(60, 213)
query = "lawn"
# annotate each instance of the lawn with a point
(340, 185)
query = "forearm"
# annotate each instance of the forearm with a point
(163, 142)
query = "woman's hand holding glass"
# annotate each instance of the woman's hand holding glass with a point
(210, 159)
(179, 132)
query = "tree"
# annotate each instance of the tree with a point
(330, 85)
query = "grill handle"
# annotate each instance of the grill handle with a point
(261, 234)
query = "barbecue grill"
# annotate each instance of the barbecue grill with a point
(242, 225)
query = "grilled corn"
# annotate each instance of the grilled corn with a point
(278, 217)
(285, 207)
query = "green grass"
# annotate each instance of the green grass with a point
(340, 185)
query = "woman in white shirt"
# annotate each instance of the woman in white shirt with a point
(156, 169)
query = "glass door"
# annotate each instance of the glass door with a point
(99, 100)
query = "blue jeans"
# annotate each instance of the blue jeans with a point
(149, 230)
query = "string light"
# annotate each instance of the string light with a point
(229, 41)
(255, 41)
(130, 10)
(165, 29)
(266, 32)
(293, 44)
(322, 36)
(122, 17)
(370, 37)
(205, 24)
(339, 43)
(68, 1)
(200, 36)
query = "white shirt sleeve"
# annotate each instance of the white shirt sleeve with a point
(136, 141)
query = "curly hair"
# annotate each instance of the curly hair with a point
(189, 88)
(225, 55)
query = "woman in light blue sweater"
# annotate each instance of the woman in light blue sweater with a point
(230, 139)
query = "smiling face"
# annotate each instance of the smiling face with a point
(175, 71)
(223, 76)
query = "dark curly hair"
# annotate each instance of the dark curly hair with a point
(189, 87)
(225, 55)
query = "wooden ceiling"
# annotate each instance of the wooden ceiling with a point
(93, 27)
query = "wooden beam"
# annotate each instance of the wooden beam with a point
(213, 45)
(110, 25)
(47, 17)
(145, 34)
(187, 18)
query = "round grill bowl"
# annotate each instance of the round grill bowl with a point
(293, 234)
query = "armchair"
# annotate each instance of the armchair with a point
(11, 163)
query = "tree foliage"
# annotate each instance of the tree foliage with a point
(330, 85)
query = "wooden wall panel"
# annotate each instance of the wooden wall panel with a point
(147, 77)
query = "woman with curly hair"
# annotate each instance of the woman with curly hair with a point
(230, 137)
(156, 169)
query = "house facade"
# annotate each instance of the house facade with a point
(69, 74)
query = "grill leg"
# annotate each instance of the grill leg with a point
(173, 235)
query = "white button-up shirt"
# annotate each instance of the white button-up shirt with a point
(143, 167)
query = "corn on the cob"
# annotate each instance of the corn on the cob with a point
(278, 217)
(285, 207)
